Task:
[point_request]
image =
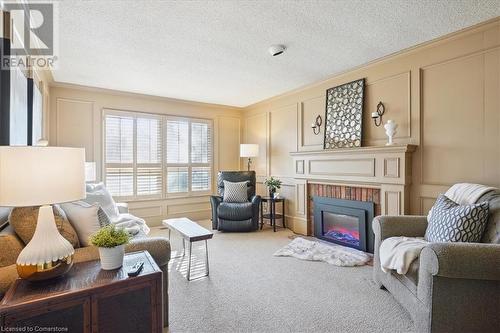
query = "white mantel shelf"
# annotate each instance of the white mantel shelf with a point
(359, 150)
(385, 167)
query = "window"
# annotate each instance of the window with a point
(150, 156)
(18, 108)
(37, 130)
(188, 155)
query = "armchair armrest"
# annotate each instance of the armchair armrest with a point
(256, 199)
(122, 207)
(404, 225)
(215, 201)
(158, 248)
(462, 260)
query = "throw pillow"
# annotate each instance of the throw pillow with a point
(451, 222)
(23, 221)
(492, 230)
(10, 246)
(235, 192)
(86, 219)
(97, 193)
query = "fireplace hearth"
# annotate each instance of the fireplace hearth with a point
(344, 222)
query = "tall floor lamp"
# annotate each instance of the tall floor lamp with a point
(249, 150)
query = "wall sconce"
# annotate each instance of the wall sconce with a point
(377, 115)
(316, 126)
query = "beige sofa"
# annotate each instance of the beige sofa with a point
(158, 247)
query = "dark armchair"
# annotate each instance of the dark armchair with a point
(231, 216)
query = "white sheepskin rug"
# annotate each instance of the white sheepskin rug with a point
(337, 255)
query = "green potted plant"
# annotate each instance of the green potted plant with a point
(272, 185)
(111, 243)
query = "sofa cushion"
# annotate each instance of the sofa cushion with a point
(410, 279)
(97, 193)
(235, 192)
(235, 211)
(10, 247)
(8, 274)
(4, 216)
(23, 221)
(86, 219)
(451, 222)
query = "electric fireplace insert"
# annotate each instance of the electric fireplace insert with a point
(344, 222)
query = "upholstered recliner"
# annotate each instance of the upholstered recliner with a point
(232, 216)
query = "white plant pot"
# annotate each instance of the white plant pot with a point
(112, 257)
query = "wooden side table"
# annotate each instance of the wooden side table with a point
(88, 299)
(272, 215)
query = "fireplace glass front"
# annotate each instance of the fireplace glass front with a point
(341, 228)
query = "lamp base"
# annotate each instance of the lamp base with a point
(45, 271)
(48, 254)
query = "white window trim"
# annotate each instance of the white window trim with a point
(164, 193)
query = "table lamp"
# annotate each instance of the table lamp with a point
(42, 176)
(249, 150)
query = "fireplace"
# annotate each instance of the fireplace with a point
(344, 222)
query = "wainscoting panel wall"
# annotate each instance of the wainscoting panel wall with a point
(256, 132)
(76, 120)
(74, 124)
(445, 97)
(228, 129)
(309, 110)
(396, 92)
(282, 139)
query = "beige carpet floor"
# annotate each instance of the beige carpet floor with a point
(249, 290)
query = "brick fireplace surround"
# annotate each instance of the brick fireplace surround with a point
(340, 192)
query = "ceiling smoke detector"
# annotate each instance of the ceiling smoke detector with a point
(277, 49)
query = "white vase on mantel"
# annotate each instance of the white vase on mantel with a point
(390, 130)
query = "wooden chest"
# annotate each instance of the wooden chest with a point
(88, 299)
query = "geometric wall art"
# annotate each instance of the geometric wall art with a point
(344, 114)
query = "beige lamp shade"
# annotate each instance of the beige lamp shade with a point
(35, 176)
(249, 150)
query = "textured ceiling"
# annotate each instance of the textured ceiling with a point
(216, 51)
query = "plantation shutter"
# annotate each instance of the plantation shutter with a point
(145, 154)
(119, 158)
(177, 141)
(177, 134)
(149, 167)
(201, 155)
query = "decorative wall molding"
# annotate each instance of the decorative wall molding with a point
(73, 125)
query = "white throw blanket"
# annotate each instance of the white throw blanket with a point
(466, 193)
(134, 225)
(317, 251)
(399, 252)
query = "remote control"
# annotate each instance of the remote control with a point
(136, 269)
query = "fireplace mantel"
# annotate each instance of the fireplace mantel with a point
(368, 165)
(387, 168)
